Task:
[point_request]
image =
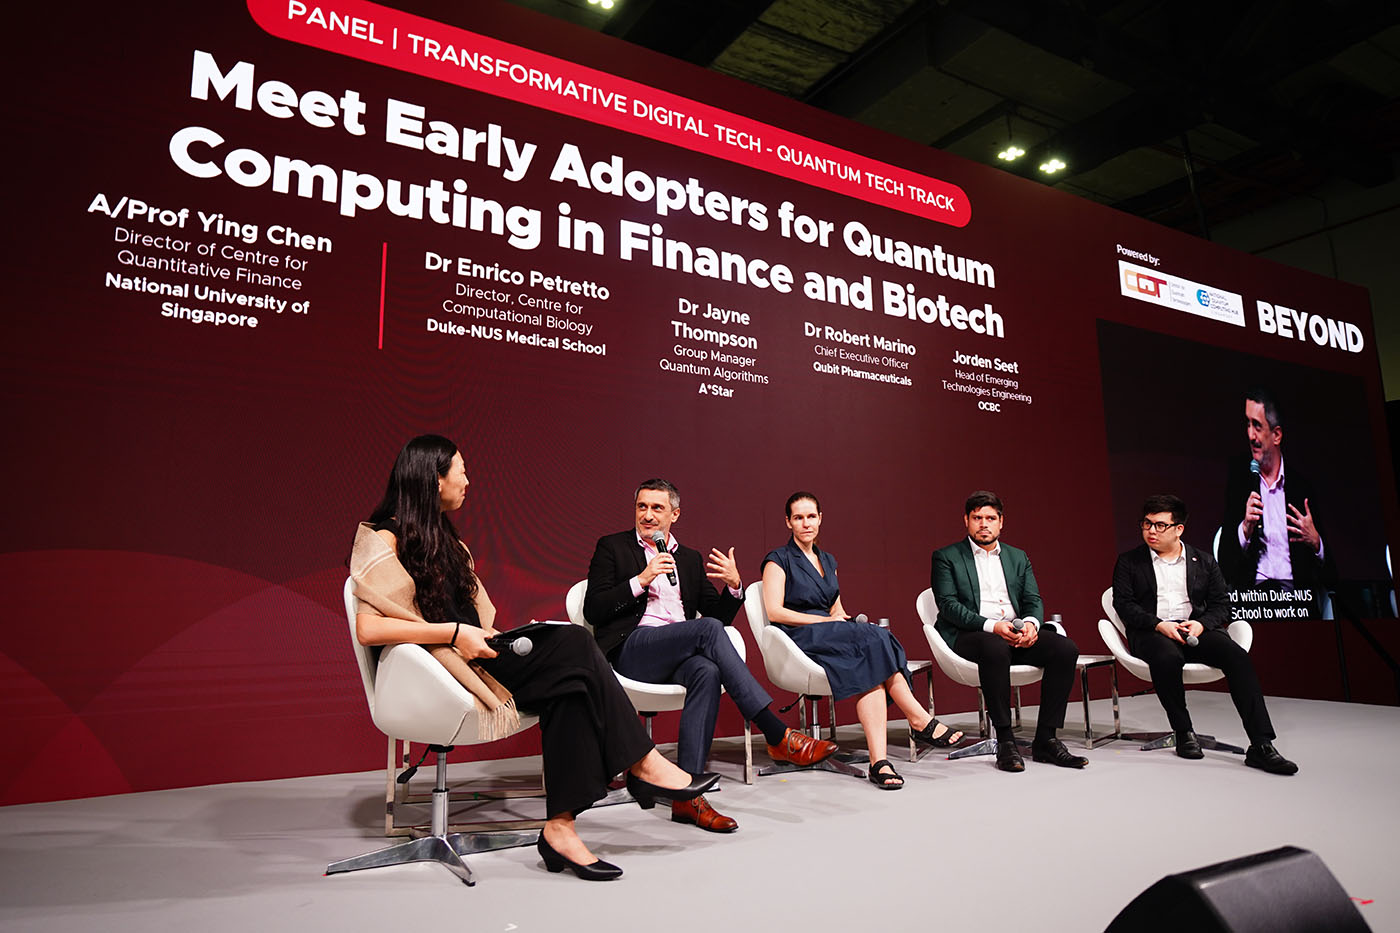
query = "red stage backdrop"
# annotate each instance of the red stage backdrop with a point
(256, 247)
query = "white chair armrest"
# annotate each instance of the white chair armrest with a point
(1242, 633)
(417, 699)
(1113, 639)
(737, 638)
(788, 667)
(955, 666)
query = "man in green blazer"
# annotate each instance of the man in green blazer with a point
(989, 611)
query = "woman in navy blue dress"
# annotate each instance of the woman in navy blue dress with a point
(801, 594)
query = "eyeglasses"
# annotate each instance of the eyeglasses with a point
(1158, 527)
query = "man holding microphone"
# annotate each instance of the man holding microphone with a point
(1173, 602)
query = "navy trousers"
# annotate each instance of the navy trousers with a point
(698, 655)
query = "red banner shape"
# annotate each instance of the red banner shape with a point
(399, 40)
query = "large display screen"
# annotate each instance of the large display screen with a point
(255, 247)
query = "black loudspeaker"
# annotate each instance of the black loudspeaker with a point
(1285, 890)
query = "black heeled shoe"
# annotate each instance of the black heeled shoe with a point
(646, 794)
(597, 870)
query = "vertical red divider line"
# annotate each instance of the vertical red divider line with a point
(383, 277)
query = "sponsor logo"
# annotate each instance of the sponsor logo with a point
(1171, 291)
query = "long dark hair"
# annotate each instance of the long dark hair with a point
(428, 545)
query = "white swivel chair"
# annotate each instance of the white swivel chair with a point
(650, 699)
(412, 698)
(961, 670)
(789, 668)
(1114, 635)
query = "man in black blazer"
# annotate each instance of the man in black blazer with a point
(643, 602)
(1168, 592)
(1269, 532)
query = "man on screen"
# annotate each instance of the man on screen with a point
(642, 602)
(1269, 534)
(1167, 593)
(989, 611)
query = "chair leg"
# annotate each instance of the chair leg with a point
(1018, 707)
(914, 753)
(1117, 721)
(748, 753)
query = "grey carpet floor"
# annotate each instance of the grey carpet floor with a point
(962, 847)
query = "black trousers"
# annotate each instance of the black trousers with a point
(994, 657)
(589, 731)
(1166, 657)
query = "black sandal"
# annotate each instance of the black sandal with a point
(948, 739)
(879, 779)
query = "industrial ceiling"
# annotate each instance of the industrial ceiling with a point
(1143, 100)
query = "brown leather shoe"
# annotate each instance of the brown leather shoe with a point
(801, 749)
(699, 812)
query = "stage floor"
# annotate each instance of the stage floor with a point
(962, 847)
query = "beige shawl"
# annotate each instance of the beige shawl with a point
(384, 588)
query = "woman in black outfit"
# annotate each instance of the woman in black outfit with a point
(590, 732)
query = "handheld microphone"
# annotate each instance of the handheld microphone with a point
(861, 617)
(659, 540)
(519, 645)
(1192, 640)
(1259, 527)
(1017, 625)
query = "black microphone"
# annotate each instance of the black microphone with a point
(659, 540)
(1254, 469)
(861, 617)
(1017, 625)
(518, 645)
(1187, 637)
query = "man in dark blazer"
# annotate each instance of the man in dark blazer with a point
(1269, 532)
(1167, 592)
(989, 611)
(643, 602)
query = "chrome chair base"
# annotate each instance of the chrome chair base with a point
(984, 747)
(446, 850)
(840, 763)
(439, 846)
(1155, 740)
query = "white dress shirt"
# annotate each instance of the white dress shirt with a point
(991, 580)
(1173, 602)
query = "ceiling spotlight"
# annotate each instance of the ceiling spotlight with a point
(605, 4)
(1011, 153)
(1051, 167)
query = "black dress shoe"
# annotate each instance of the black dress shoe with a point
(1188, 746)
(646, 794)
(1052, 751)
(596, 870)
(1267, 758)
(1009, 757)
